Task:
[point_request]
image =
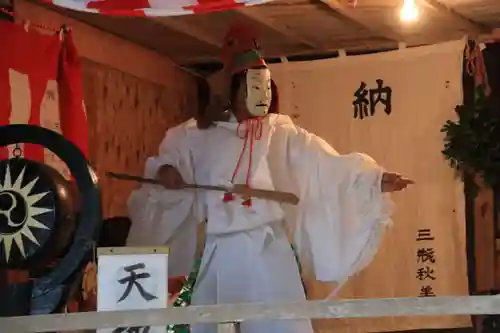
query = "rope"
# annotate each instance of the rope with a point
(252, 131)
(476, 67)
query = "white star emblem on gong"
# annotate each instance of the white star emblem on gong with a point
(31, 213)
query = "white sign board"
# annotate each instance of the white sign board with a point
(132, 279)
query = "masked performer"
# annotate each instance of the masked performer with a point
(336, 227)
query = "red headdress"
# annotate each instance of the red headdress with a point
(241, 52)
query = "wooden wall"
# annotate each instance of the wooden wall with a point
(486, 217)
(484, 239)
(128, 117)
(492, 60)
(132, 96)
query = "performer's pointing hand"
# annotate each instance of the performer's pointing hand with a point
(393, 182)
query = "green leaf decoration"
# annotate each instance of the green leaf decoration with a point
(184, 298)
(472, 143)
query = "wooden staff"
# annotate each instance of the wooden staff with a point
(239, 189)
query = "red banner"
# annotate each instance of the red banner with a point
(71, 106)
(25, 70)
(40, 84)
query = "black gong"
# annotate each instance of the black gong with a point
(36, 214)
(48, 210)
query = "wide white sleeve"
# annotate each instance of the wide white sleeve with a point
(342, 212)
(167, 217)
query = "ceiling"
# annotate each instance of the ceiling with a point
(305, 28)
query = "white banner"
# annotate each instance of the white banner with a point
(392, 106)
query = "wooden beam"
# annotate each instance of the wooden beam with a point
(228, 313)
(251, 13)
(179, 24)
(355, 17)
(359, 45)
(472, 27)
(355, 46)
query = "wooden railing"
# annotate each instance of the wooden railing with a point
(431, 306)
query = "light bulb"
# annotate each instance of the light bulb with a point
(409, 11)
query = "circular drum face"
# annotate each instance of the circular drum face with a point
(28, 211)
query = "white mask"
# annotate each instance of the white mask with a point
(258, 91)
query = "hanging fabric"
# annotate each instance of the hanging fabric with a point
(153, 7)
(27, 82)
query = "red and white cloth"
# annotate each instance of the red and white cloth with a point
(41, 84)
(153, 7)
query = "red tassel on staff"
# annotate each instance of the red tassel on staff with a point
(228, 196)
(247, 202)
(71, 106)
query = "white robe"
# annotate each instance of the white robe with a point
(336, 227)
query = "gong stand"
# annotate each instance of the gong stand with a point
(45, 240)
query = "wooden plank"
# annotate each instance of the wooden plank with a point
(258, 15)
(473, 27)
(362, 308)
(358, 45)
(356, 17)
(484, 234)
(178, 24)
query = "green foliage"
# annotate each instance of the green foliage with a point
(472, 144)
(184, 298)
